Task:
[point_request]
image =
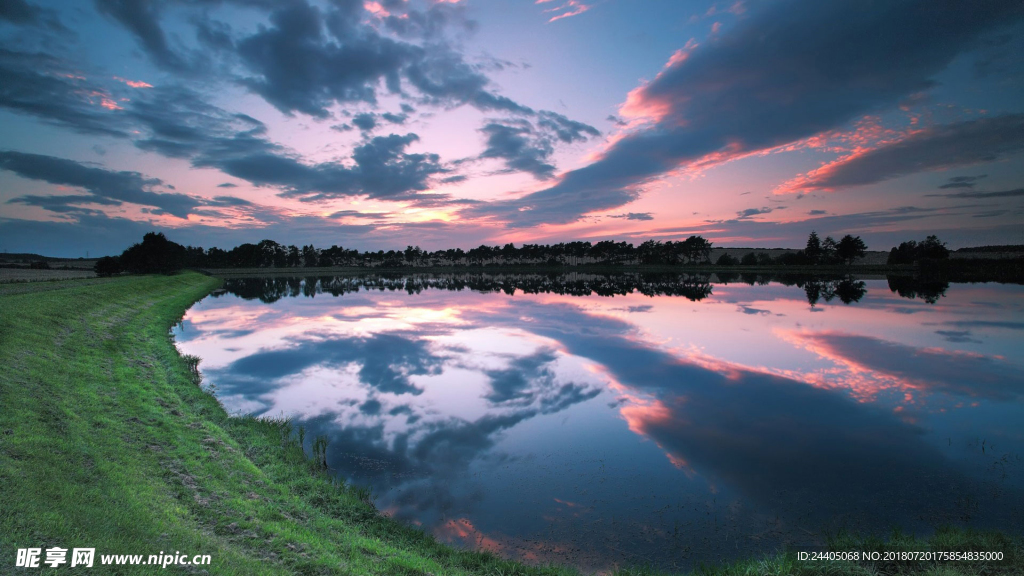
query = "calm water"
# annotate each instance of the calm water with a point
(603, 422)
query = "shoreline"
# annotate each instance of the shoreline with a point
(871, 272)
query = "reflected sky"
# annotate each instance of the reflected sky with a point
(662, 425)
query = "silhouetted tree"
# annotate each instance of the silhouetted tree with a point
(696, 249)
(828, 251)
(156, 254)
(294, 259)
(107, 266)
(910, 252)
(813, 250)
(310, 256)
(850, 248)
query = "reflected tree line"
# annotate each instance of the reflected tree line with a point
(695, 287)
(269, 289)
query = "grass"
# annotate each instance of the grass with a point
(29, 275)
(107, 440)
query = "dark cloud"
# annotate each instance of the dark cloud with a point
(935, 148)
(45, 87)
(515, 142)
(634, 216)
(616, 120)
(214, 34)
(107, 187)
(18, 11)
(27, 14)
(430, 24)
(309, 59)
(357, 214)
(564, 129)
(182, 125)
(70, 204)
(1000, 194)
(526, 146)
(365, 121)
(178, 123)
(749, 212)
(141, 18)
(963, 181)
(957, 336)
(792, 70)
(443, 77)
(306, 60)
(817, 212)
(227, 201)
(24, 13)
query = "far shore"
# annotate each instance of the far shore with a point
(863, 271)
(965, 265)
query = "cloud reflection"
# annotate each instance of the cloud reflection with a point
(445, 402)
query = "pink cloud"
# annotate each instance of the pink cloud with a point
(879, 154)
(571, 7)
(133, 83)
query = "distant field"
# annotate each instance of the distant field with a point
(25, 260)
(985, 255)
(29, 275)
(871, 258)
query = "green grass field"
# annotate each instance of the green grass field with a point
(107, 442)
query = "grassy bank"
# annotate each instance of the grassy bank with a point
(107, 442)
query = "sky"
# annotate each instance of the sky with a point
(453, 123)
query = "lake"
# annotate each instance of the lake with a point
(604, 421)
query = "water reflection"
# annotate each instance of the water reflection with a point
(929, 290)
(531, 416)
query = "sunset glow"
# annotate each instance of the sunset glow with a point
(376, 125)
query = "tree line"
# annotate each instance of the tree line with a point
(157, 254)
(817, 252)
